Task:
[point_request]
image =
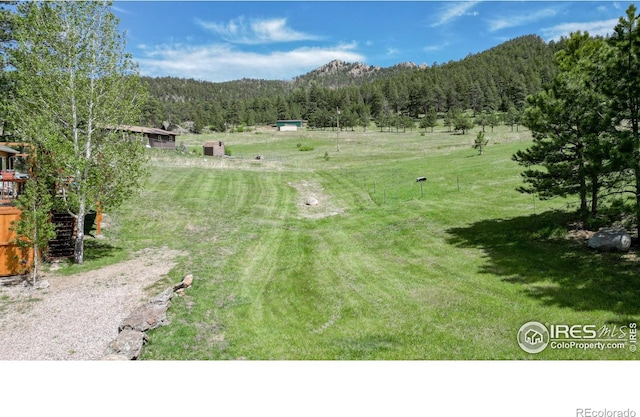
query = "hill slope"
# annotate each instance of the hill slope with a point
(496, 79)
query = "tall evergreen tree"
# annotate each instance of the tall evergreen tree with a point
(570, 128)
(622, 85)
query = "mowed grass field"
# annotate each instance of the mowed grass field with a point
(382, 268)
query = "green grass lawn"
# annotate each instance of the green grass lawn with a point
(382, 269)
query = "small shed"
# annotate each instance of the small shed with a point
(215, 148)
(288, 125)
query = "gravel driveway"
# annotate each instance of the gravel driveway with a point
(77, 316)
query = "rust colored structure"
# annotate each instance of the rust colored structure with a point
(13, 259)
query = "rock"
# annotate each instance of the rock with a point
(128, 345)
(115, 357)
(43, 285)
(610, 239)
(312, 201)
(146, 317)
(186, 282)
(164, 298)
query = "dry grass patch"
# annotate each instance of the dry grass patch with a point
(308, 190)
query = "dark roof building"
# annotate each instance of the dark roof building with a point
(156, 138)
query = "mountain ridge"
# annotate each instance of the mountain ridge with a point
(498, 78)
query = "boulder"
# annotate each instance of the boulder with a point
(163, 299)
(153, 314)
(186, 282)
(312, 201)
(114, 357)
(610, 239)
(128, 345)
(42, 285)
(146, 317)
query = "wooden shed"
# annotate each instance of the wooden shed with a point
(215, 148)
(155, 138)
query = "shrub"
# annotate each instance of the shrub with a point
(305, 148)
(227, 151)
(182, 148)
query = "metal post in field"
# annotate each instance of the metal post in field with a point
(338, 128)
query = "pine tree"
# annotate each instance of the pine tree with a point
(480, 142)
(570, 128)
(622, 85)
(461, 122)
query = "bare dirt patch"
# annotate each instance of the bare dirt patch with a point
(77, 316)
(323, 206)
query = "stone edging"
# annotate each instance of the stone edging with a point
(132, 331)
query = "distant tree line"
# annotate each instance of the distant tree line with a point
(496, 80)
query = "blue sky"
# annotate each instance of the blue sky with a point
(229, 40)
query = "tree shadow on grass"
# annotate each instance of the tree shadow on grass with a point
(535, 253)
(95, 249)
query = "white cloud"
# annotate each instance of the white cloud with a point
(454, 10)
(220, 62)
(256, 31)
(392, 51)
(120, 10)
(597, 28)
(435, 48)
(520, 19)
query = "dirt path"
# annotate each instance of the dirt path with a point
(77, 316)
(324, 207)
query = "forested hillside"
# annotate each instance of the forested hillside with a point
(496, 80)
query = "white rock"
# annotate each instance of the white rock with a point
(610, 239)
(41, 285)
